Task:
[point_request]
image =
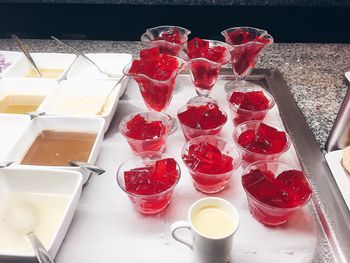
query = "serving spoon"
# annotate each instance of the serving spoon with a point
(78, 52)
(27, 54)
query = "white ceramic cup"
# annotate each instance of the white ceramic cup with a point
(208, 249)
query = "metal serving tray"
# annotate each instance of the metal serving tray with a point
(333, 217)
(106, 227)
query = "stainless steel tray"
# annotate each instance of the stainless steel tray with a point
(331, 213)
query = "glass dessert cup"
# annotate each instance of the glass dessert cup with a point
(155, 144)
(205, 72)
(157, 94)
(239, 115)
(247, 44)
(211, 183)
(191, 132)
(249, 157)
(266, 213)
(152, 203)
(153, 37)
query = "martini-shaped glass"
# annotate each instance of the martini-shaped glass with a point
(205, 59)
(247, 44)
(156, 93)
(169, 39)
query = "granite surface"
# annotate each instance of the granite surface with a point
(314, 73)
(340, 3)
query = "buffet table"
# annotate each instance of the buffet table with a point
(106, 227)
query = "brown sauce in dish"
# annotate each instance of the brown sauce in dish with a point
(56, 148)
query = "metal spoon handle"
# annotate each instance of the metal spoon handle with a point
(27, 54)
(87, 166)
(41, 253)
(78, 52)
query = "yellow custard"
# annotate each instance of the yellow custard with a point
(20, 104)
(213, 222)
(50, 73)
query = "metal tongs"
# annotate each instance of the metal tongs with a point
(27, 54)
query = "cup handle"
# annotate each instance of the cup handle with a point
(177, 225)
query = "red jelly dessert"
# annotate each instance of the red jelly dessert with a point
(282, 193)
(161, 70)
(289, 189)
(207, 158)
(201, 119)
(250, 105)
(247, 46)
(145, 135)
(252, 100)
(152, 179)
(266, 140)
(140, 129)
(150, 187)
(199, 48)
(210, 166)
(205, 71)
(172, 35)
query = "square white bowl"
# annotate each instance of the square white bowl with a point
(63, 124)
(112, 63)
(40, 180)
(83, 92)
(36, 87)
(21, 67)
(12, 128)
(10, 57)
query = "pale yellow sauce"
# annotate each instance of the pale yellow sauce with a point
(20, 104)
(46, 73)
(213, 222)
(23, 212)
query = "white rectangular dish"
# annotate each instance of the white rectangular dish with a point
(79, 97)
(61, 124)
(29, 193)
(112, 63)
(342, 179)
(9, 58)
(26, 87)
(22, 67)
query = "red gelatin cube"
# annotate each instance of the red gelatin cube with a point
(149, 53)
(295, 182)
(255, 101)
(197, 44)
(246, 139)
(237, 98)
(207, 158)
(165, 172)
(172, 36)
(270, 139)
(135, 122)
(207, 116)
(239, 37)
(140, 129)
(138, 181)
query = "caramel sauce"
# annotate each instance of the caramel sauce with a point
(56, 148)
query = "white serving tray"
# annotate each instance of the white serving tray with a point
(106, 227)
(340, 176)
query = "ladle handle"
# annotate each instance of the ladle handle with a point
(40, 251)
(87, 166)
